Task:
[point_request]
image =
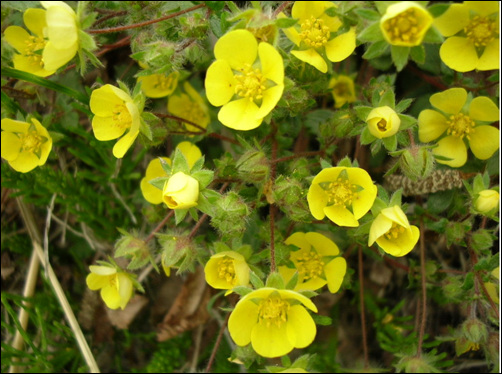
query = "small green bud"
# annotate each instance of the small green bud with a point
(475, 331)
(177, 251)
(414, 364)
(290, 196)
(253, 166)
(134, 249)
(417, 163)
(230, 215)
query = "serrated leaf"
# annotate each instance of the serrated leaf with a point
(403, 105)
(198, 164)
(204, 205)
(255, 280)
(396, 198)
(211, 195)
(390, 143)
(159, 182)
(179, 215)
(399, 56)
(388, 99)
(179, 163)
(366, 136)
(371, 33)
(325, 164)
(205, 177)
(376, 49)
(345, 162)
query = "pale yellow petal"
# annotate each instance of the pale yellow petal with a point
(342, 46)
(396, 214)
(54, 58)
(62, 27)
(490, 59)
(11, 145)
(484, 142)
(242, 321)
(240, 115)
(453, 20)
(125, 289)
(305, 9)
(271, 341)
(122, 146)
(323, 245)
(454, 148)
(220, 83)
(237, 48)
(379, 227)
(270, 99)
(431, 125)
(335, 272)
(34, 19)
(111, 297)
(459, 53)
(16, 36)
(272, 65)
(301, 329)
(191, 152)
(104, 128)
(104, 100)
(341, 216)
(483, 109)
(310, 56)
(95, 281)
(483, 8)
(450, 101)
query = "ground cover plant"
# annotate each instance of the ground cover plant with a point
(218, 186)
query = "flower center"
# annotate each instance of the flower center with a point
(342, 89)
(273, 310)
(31, 142)
(165, 83)
(226, 270)
(404, 27)
(460, 125)
(34, 48)
(382, 125)
(193, 112)
(310, 265)
(394, 231)
(341, 192)
(250, 84)
(481, 31)
(314, 33)
(121, 116)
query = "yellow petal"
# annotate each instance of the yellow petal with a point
(237, 48)
(104, 128)
(121, 147)
(431, 125)
(11, 125)
(485, 141)
(151, 193)
(483, 8)
(104, 99)
(323, 245)
(271, 341)
(341, 216)
(291, 32)
(402, 245)
(310, 56)
(111, 297)
(301, 329)
(311, 284)
(490, 59)
(335, 272)
(240, 115)
(95, 281)
(450, 101)
(125, 289)
(46, 147)
(102, 270)
(453, 20)
(11, 145)
(158, 85)
(220, 83)
(396, 214)
(191, 152)
(16, 36)
(61, 27)
(379, 227)
(25, 162)
(288, 294)
(483, 109)
(24, 63)
(317, 200)
(454, 148)
(342, 46)
(299, 240)
(242, 321)
(54, 58)
(272, 65)
(305, 9)
(271, 97)
(459, 53)
(34, 19)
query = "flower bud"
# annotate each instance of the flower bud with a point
(417, 163)
(181, 191)
(487, 201)
(253, 166)
(383, 122)
(475, 331)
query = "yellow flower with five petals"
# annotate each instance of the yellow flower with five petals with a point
(472, 32)
(25, 145)
(116, 286)
(154, 170)
(462, 124)
(343, 90)
(115, 113)
(312, 35)
(189, 105)
(273, 320)
(392, 231)
(30, 47)
(247, 80)
(317, 261)
(159, 85)
(344, 194)
(181, 191)
(226, 270)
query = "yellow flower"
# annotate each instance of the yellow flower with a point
(492, 287)
(116, 287)
(405, 24)
(154, 170)
(315, 262)
(226, 270)
(393, 233)
(487, 201)
(159, 85)
(247, 79)
(274, 321)
(62, 33)
(312, 35)
(30, 47)
(472, 29)
(343, 90)
(25, 145)
(341, 193)
(114, 114)
(189, 106)
(460, 123)
(181, 191)
(383, 122)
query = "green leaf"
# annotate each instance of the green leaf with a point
(255, 280)
(388, 99)
(433, 36)
(22, 75)
(198, 164)
(417, 54)
(325, 164)
(399, 56)
(362, 112)
(322, 320)
(390, 143)
(468, 282)
(403, 105)
(145, 129)
(179, 215)
(378, 205)
(366, 136)
(292, 282)
(285, 23)
(437, 9)
(205, 177)
(406, 121)
(376, 49)
(369, 14)
(179, 163)
(372, 33)
(396, 198)
(242, 290)
(275, 280)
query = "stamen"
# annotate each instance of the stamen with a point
(273, 311)
(226, 270)
(121, 116)
(481, 31)
(309, 265)
(460, 125)
(404, 27)
(394, 231)
(314, 33)
(250, 84)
